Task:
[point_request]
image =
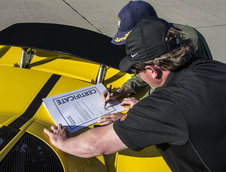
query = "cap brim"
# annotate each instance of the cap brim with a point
(126, 64)
(120, 38)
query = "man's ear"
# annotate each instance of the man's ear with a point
(156, 72)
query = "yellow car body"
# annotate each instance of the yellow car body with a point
(23, 145)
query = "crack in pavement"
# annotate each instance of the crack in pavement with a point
(220, 25)
(82, 16)
(201, 9)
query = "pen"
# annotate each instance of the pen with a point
(109, 92)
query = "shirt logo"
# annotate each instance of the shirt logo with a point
(123, 117)
(133, 55)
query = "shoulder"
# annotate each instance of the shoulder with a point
(188, 31)
(185, 28)
(152, 105)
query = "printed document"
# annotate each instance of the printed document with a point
(79, 108)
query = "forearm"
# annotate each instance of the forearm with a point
(94, 142)
(124, 90)
(79, 146)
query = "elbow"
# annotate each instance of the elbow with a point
(93, 148)
(101, 148)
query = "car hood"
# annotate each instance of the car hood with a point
(23, 116)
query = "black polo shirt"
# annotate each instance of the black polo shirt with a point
(185, 119)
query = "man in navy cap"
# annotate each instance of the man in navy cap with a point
(185, 115)
(129, 16)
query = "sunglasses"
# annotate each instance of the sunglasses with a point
(137, 70)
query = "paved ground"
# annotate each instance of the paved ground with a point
(208, 16)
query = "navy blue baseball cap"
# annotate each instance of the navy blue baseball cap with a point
(129, 16)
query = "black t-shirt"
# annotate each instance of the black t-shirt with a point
(185, 119)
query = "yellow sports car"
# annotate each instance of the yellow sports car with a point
(39, 60)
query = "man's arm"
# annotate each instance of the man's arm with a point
(123, 91)
(94, 142)
(134, 83)
(130, 86)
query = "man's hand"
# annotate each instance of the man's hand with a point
(109, 118)
(115, 94)
(58, 134)
(88, 144)
(131, 101)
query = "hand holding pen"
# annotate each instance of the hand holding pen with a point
(107, 97)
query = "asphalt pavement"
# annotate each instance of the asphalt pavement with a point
(207, 16)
